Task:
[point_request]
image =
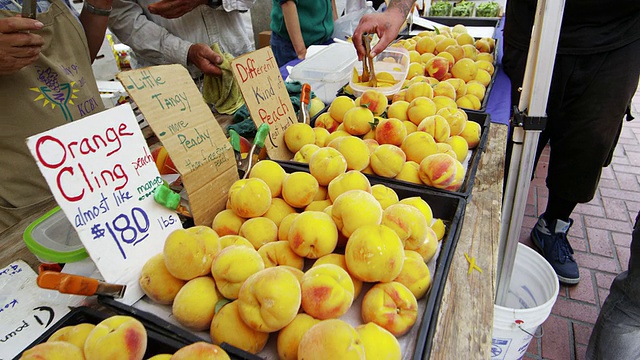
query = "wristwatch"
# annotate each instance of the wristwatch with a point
(214, 3)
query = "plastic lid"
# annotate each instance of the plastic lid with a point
(328, 65)
(52, 238)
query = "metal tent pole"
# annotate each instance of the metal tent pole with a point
(526, 132)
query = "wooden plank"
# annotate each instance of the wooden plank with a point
(465, 320)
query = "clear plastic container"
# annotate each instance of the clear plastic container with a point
(327, 71)
(393, 60)
(52, 239)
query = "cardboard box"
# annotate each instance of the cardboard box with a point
(264, 37)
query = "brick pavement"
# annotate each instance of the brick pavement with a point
(600, 237)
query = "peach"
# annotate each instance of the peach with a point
(157, 282)
(374, 100)
(226, 222)
(410, 126)
(116, 337)
(351, 180)
(325, 164)
(299, 188)
(354, 150)
(418, 89)
(188, 253)
(285, 224)
(437, 67)
(161, 357)
(289, 337)
(269, 299)
(322, 194)
(355, 208)
(483, 77)
(385, 195)
(459, 146)
(456, 50)
(400, 95)
(73, 334)
(357, 121)
(297, 135)
(414, 56)
(424, 58)
(398, 110)
(327, 291)
(407, 221)
(419, 108)
(227, 326)
(278, 210)
(313, 234)
(374, 253)
(271, 173)
(415, 69)
(249, 197)
(418, 145)
(447, 149)
(415, 274)
(318, 205)
(476, 88)
(194, 305)
(340, 260)
(459, 85)
(280, 253)
(464, 69)
(387, 160)
(304, 154)
(427, 248)
(390, 131)
(327, 122)
(371, 144)
(444, 101)
(456, 118)
(378, 342)
(53, 350)
(409, 173)
(233, 266)
(439, 228)
(470, 51)
(339, 106)
(331, 339)
(336, 134)
(321, 136)
(442, 44)
(444, 88)
(201, 350)
(425, 44)
(390, 305)
(259, 231)
(436, 126)
(442, 171)
(483, 45)
(421, 205)
(471, 133)
(230, 240)
(469, 101)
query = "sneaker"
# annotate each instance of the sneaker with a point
(555, 247)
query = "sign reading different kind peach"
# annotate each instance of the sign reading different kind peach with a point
(103, 176)
(266, 96)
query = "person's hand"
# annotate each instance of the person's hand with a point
(18, 47)
(386, 25)
(205, 59)
(172, 9)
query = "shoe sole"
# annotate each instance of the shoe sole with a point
(562, 279)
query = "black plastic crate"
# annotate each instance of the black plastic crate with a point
(157, 343)
(450, 209)
(472, 165)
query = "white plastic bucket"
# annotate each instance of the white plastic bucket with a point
(532, 293)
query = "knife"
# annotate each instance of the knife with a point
(29, 9)
(78, 285)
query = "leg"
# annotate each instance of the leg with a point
(282, 49)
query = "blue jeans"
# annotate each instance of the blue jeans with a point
(616, 334)
(282, 49)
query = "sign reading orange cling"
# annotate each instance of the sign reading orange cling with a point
(266, 96)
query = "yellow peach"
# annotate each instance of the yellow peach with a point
(54, 350)
(442, 171)
(374, 100)
(280, 253)
(157, 282)
(459, 146)
(285, 224)
(354, 150)
(271, 173)
(374, 253)
(226, 222)
(418, 145)
(456, 118)
(299, 188)
(353, 209)
(436, 126)
(325, 164)
(350, 180)
(304, 154)
(230, 240)
(331, 339)
(116, 337)
(445, 101)
(387, 160)
(339, 259)
(471, 133)
(419, 89)
(327, 291)
(325, 121)
(398, 110)
(390, 131)
(297, 135)
(289, 337)
(339, 106)
(233, 266)
(392, 306)
(409, 173)
(318, 205)
(415, 274)
(188, 253)
(358, 120)
(278, 210)
(427, 248)
(407, 221)
(378, 342)
(420, 108)
(227, 326)
(249, 197)
(73, 334)
(313, 234)
(385, 195)
(439, 228)
(201, 350)
(421, 205)
(321, 136)
(195, 303)
(259, 231)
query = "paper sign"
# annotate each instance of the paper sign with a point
(173, 106)
(102, 175)
(27, 311)
(266, 97)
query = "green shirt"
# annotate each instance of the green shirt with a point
(316, 20)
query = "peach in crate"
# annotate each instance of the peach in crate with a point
(391, 67)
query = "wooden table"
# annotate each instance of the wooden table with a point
(465, 318)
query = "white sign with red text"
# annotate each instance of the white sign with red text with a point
(101, 173)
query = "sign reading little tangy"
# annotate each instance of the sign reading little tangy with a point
(266, 97)
(103, 176)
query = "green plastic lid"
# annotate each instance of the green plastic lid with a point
(52, 239)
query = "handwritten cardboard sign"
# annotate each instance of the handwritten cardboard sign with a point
(173, 106)
(103, 176)
(266, 97)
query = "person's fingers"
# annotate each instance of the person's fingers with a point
(19, 24)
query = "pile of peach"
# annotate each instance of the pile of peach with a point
(116, 337)
(289, 256)
(423, 139)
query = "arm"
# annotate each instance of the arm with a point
(95, 25)
(132, 27)
(290, 12)
(335, 10)
(18, 47)
(172, 9)
(386, 25)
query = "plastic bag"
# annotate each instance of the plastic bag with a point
(344, 26)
